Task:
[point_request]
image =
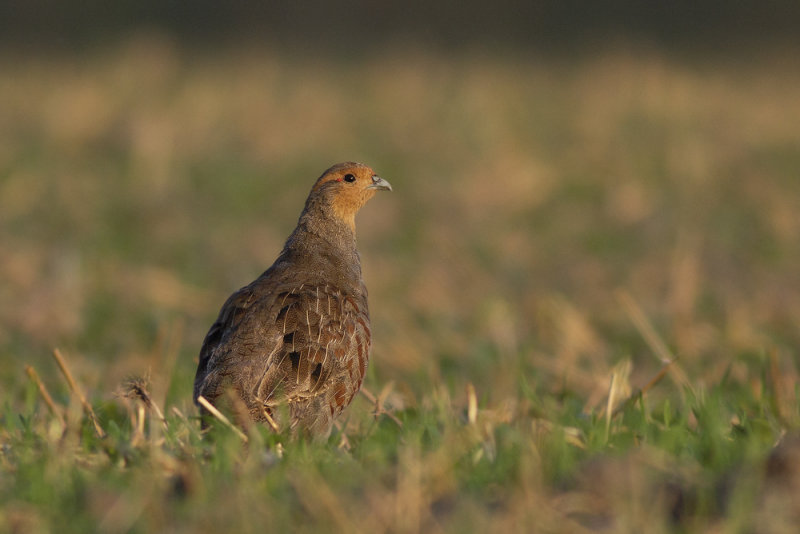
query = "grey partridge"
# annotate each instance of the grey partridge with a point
(291, 348)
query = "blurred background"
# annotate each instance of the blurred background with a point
(552, 162)
(359, 25)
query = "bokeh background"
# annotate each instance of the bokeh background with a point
(545, 155)
(556, 166)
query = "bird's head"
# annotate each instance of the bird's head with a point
(345, 188)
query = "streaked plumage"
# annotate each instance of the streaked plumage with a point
(299, 334)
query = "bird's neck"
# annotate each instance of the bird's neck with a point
(325, 229)
(323, 224)
(323, 242)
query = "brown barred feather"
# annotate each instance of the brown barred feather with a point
(299, 336)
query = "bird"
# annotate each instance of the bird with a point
(291, 348)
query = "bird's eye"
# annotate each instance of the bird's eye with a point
(349, 178)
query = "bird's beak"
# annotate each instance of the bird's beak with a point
(380, 184)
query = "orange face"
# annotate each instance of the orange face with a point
(348, 186)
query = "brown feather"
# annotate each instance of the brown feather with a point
(299, 334)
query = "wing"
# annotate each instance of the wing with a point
(322, 360)
(305, 346)
(211, 368)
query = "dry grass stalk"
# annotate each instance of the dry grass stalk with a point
(344, 441)
(62, 364)
(271, 421)
(138, 426)
(241, 414)
(472, 404)
(782, 401)
(620, 386)
(640, 392)
(219, 416)
(379, 400)
(54, 408)
(136, 388)
(644, 326)
(652, 338)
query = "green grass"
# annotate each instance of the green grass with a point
(522, 466)
(556, 226)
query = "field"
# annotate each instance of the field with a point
(584, 289)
